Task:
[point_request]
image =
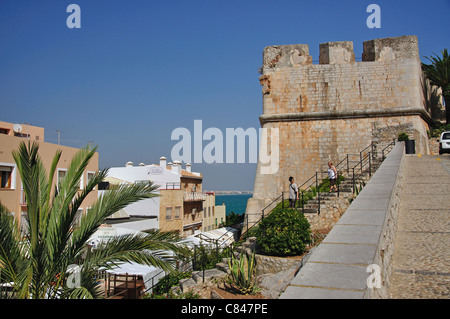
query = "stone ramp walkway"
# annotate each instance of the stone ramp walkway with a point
(337, 268)
(421, 260)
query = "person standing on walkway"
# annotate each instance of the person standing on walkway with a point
(332, 175)
(293, 192)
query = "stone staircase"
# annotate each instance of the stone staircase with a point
(345, 190)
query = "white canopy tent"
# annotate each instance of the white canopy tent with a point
(150, 274)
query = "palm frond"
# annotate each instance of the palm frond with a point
(108, 203)
(438, 72)
(158, 249)
(10, 251)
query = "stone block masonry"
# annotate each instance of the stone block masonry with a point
(327, 110)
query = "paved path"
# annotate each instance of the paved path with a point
(421, 260)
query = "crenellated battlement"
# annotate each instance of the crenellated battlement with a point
(295, 55)
(387, 79)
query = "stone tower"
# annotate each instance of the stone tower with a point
(324, 111)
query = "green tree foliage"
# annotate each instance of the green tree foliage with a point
(438, 72)
(232, 219)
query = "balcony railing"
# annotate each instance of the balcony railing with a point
(194, 196)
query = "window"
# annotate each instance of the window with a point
(143, 182)
(7, 176)
(61, 174)
(78, 215)
(168, 213)
(209, 211)
(90, 176)
(177, 212)
(21, 135)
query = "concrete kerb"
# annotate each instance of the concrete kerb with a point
(363, 236)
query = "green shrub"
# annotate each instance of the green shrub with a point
(437, 128)
(233, 219)
(177, 294)
(403, 136)
(285, 232)
(206, 257)
(168, 281)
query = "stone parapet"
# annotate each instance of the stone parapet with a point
(336, 52)
(389, 49)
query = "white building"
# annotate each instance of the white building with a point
(179, 205)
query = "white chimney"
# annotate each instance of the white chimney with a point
(188, 167)
(169, 165)
(129, 164)
(162, 162)
(176, 168)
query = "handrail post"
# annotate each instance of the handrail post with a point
(246, 215)
(282, 199)
(318, 193)
(337, 182)
(348, 166)
(370, 166)
(361, 161)
(303, 205)
(353, 177)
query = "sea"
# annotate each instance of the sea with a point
(233, 203)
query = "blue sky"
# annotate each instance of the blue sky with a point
(138, 69)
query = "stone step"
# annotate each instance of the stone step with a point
(223, 267)
(328, 195)
(208, 275)
(309, 210)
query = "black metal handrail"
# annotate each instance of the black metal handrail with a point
(346, 164)
(274, 201)
(384, 149)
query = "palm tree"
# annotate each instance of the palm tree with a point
(438, 72)
(37, 263)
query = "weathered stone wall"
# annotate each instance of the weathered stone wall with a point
(329, 216)
(325, 111)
